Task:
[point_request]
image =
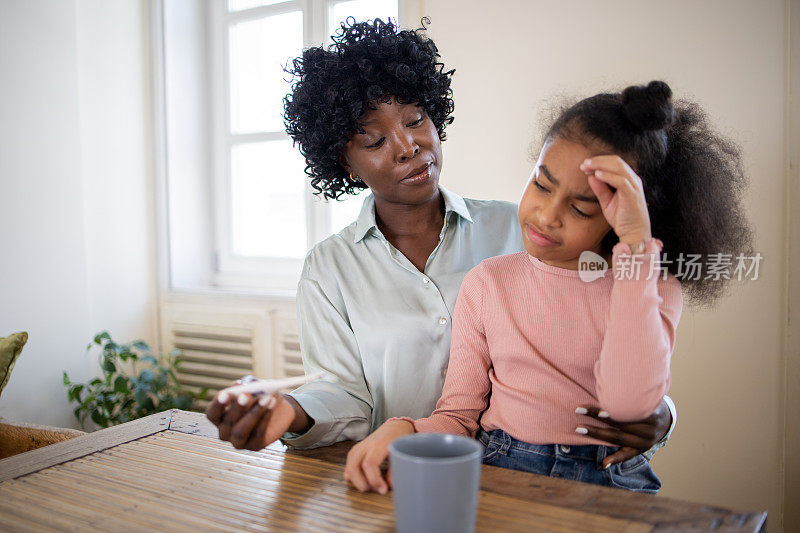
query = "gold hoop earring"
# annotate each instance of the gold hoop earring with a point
(353, 177)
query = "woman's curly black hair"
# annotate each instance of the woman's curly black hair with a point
(693, 177)
(368, 62)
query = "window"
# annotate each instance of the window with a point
(265, 215)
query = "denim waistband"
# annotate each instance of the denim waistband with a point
(588, 452)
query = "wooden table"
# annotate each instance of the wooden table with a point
(170, 472)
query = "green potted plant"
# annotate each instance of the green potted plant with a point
(150, 385)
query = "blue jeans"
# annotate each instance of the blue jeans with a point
(578, 463)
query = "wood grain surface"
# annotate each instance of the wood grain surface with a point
(170, 472)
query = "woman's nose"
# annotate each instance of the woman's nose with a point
(409, 154)
(407, 148)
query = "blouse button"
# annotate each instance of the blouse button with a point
(443, 321)
(426, 280)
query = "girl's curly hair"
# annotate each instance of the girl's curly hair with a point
(693, 177)
(368, 62)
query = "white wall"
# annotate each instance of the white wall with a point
(792, 417)
(76, 225)
(513, 57)
(43, 279)
(117, 167)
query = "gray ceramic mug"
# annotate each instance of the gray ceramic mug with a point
(435, 482)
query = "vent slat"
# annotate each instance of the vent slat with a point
(211, 332)
(196, 390)
(240, 361)
(293, 358)
(291, 346)
(293, 370)
(208, 345)
(204, 381)
(288, 359)
(218, 371)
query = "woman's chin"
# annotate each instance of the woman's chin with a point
(422, 192)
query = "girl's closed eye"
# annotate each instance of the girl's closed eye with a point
(581, 213)
(415, 122)
(540, 186)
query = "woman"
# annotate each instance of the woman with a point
(375, 301)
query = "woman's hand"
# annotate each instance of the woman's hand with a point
(632, 437)
(363, 468)
(621, 197)
(251, 422)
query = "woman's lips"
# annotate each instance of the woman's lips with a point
(418, 178)
(537, 238)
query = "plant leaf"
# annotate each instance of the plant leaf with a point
(121, 385)
(111, 348)
(140, 396)
(109, 366)
(141, 345)
(183, 402)
(98, 419)
(75, 393)
(149, 359)
(146, 375)
(149, 406)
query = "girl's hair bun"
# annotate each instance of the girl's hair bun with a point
(648, 107)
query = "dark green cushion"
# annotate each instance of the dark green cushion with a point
(10, 348)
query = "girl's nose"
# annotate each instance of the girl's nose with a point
(549, 215)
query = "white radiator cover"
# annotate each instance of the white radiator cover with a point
(224, 338)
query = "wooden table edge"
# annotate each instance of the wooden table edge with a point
(714, 517)
(61, 452)
(192, 423)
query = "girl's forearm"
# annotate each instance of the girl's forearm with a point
(633, 371)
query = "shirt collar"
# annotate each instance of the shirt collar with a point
(366, 218)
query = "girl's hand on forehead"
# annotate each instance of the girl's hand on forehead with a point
(621, 195)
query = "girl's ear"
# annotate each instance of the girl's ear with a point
(343, 162)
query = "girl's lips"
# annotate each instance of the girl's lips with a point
(419, 178)
(537, 238)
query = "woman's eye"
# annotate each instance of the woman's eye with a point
(376, 143)
(580, 213)
(539, 186)
(416, 122)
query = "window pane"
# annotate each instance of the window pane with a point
(361, 10)
(268, 200)
(238, 5)
(259, 50)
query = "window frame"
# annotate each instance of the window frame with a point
(231, 270)
(191, 162)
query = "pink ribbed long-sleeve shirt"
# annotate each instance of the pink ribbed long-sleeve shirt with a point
(531, 342)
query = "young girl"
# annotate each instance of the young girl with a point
(534, 335)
